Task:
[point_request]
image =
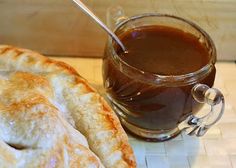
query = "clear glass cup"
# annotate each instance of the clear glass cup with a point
(145, 101)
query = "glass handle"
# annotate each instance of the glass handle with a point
(198, 126)
(115, 15)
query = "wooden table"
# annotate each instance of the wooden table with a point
(57, 27)
(217, 149)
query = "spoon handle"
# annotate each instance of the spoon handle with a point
(96, 19)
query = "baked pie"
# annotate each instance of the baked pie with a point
(51, 117)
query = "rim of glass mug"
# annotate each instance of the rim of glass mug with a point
(168, 80)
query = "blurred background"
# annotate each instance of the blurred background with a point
(58, 27)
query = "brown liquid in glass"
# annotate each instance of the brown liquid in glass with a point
(158, 50)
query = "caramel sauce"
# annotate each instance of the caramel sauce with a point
(158, 50)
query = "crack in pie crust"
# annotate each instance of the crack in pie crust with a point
(51, 117)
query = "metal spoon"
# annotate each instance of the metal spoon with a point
(97, 20)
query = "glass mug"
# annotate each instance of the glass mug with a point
(158, 107)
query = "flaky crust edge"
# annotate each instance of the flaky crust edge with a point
(125, 148)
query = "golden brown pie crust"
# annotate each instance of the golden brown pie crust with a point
(51, 116)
